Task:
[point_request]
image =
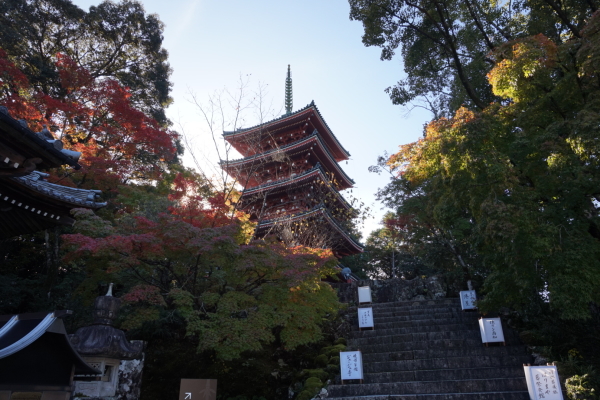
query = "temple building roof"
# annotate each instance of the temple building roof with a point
(18, 144)
(35, 351)
(322, 154)
(74, 196)
(338, 152)
(29, 204)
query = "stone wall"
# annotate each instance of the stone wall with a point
(130, 379)
(391, 290)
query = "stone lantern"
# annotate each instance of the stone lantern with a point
(107, 349)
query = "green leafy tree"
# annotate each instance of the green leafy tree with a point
(386, 255)
(439, 233)
(446, 44)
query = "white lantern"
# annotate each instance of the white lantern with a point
(365, 318)
(468, 299)
(491, 330)
(543, 382)
(351, 365)
(364, 295)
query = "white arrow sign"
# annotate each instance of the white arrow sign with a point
(188, 395)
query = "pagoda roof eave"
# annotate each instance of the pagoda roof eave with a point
(319, 210)
(285, 118)
(314, 137)
(292, 181)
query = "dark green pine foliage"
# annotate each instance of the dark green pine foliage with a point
(288, 92)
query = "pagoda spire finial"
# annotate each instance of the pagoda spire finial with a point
(288, 92)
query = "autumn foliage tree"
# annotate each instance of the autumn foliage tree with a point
(235, 295)
(179, 251)
(112, 40)
(118, 143)
(124, 152)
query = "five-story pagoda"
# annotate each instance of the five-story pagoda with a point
(291, 179)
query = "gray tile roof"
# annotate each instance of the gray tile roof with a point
(74, 196)
(36, 144)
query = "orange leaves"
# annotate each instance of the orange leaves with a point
(96, 117)
(194, 203)
(525, 66)
(15, 93)
(418, 160)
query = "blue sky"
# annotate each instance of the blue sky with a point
(212, 43)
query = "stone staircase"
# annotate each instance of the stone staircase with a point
(432, 350)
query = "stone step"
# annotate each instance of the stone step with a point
(509, 336)
(445, 374)
(432, 350)
(420, 323)
(475, 351)
(376, 347)
(432, 318)
(446, 363)
(415, 310)
(390, 329)
(430, 387)
(423, 306)
(415, 304)
(520, 395)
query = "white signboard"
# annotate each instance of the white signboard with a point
(468, 299)
(351, 365)
(365, 318)
(364, 294)
(491, 330)
(543, 383)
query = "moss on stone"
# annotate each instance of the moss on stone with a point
(321, 360)
(317, 373)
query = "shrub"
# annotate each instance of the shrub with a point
(579, 387)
